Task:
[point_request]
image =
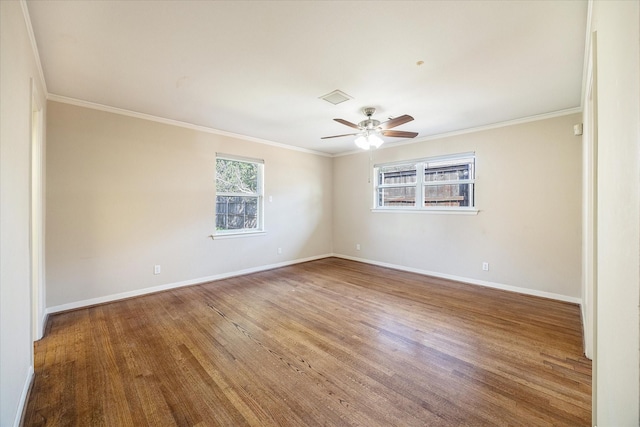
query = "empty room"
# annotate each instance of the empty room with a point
(320, 213)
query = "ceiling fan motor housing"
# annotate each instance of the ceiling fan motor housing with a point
(370, 123)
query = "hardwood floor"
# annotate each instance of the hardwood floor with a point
(326, 343)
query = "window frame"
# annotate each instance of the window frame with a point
(259, 194)
(423, 165)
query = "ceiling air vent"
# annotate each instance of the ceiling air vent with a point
(336, 97)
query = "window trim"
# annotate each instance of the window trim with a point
(421, 165)
(242, 232)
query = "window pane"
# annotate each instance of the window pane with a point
(397, 196)
(448, 195)
(399, 174)
(235, 213)
(233, 176)
(447, 173)
(427, 184)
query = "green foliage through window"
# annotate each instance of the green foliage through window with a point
(233, 176)
(238, 195)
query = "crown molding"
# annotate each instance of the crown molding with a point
(144, 116)
(586, 67)
(497, 125)
(106, 108)
(34, 45)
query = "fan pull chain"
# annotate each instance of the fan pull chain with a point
(370, 168)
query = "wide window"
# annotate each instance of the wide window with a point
(239, 194)
(437, 183)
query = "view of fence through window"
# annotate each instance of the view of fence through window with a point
(424, 184)
(400, 185)
(447, 194)
(238, 195)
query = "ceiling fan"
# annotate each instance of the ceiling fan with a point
(371, 129)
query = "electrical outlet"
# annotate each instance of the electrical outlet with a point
(279, 251)
(156, 269)
(485, 266)
(357, 246)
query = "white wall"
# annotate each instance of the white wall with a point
(528, 191)
(17, 69)
(617, 358)
(125, 194)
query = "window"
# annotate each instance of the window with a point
(438, 183)
(239, 195)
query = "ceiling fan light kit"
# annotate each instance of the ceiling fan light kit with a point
(370, 141)
(371, 129)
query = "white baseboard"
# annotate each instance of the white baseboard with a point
(23, 397)
(485, 283)
(199, 280)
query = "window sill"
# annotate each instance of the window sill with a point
(236, 235)
(447, 211)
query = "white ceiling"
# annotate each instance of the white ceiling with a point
(258, 68)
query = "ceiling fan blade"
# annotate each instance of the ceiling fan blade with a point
(396, 121)
(399, 134)
(344, 122)
(338, 136)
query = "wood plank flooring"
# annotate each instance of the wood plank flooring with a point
(325, 343)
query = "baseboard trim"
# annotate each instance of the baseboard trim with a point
(22, 404)
(484, 283)
(200, 280)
